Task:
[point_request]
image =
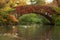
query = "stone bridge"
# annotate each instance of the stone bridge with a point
(45, 11)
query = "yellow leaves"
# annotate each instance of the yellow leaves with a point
(22, 2)
(2, 1)
(6, 8)
(17, 2)
(57, 9)
(12, 2)
(4, 20)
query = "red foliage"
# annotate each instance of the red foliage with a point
(33, 9)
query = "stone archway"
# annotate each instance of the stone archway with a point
(37, 9)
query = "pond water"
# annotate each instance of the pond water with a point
(35, 32)
(38, 32)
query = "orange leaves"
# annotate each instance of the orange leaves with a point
(13, 18)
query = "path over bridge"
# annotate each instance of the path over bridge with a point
(45, 11)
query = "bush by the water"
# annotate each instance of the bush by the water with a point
(32, 18)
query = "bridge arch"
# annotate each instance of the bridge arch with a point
(45, 11)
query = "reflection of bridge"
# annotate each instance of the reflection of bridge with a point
(45, 11)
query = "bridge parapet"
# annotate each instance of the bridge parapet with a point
(33, 9)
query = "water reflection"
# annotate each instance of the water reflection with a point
(35, 32)
(56, 33)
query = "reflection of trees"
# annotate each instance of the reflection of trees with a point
(36, 32)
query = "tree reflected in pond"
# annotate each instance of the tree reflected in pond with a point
(37, 32)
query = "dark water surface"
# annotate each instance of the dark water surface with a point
(35, 32)
(42, 32)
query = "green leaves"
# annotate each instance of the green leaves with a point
(57, 20)
(33, 19)
(29, 18)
